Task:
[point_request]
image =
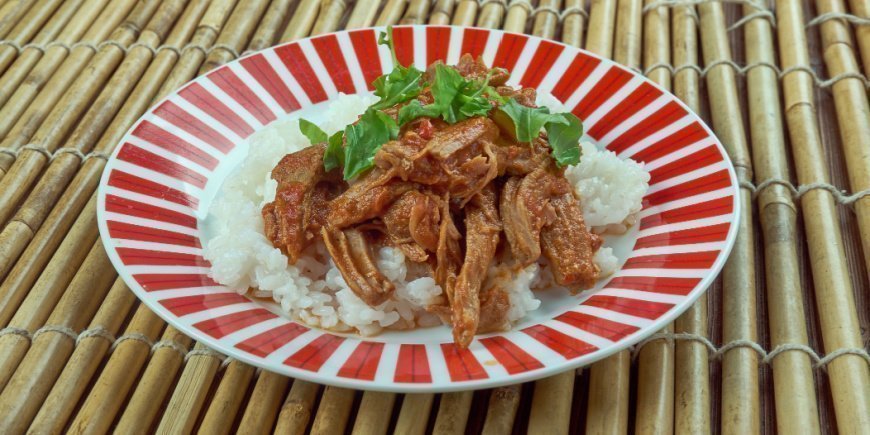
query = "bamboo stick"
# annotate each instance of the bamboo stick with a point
(264, 404)
(303, 19)
(792, 372)
(853, 112)
(227, 399)
(740, 397)
(363, 14)
(414, 414)
(416, 12)
(502, 410)
(27, 27)
(297, 409)
(84, 362)
(691, 368)
(453, 413)
(607, 412)
(861, 8)
(190, 393)
(48, 352)
(270, 26)
(573, 23)
(551, 404)
(373, 416)
(333, 412)
(391, 12)
(30, 104)
(151, 391)
(491, 14)
(546, 18)
(236, 33)
(441, 12)
(68, 33)
(465, 13)
(602, 16)
(517, 15)
(113, 384)
(10, 13)
(655, 369)
(330, 16)
(627, 45)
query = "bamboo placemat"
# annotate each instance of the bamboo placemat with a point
(778, 344)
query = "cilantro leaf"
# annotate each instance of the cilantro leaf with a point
(334, 155)
(414, 110)
(456, 99)
(564, 138)
(364, 139)
(528, 121)
(401, 84)
(314, 134)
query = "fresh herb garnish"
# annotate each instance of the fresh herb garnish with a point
(334, 155)
(564, 139)
(456, 98)
(364, 139)
(401, 84)
(563, 129)
(314, 134)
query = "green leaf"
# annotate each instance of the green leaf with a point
(334, 155)
(414, 110)
(364, 139)
(564, 131)
(314, 134)
(456, 99)
(528, 121)
(400, 85)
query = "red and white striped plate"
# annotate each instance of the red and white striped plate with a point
(153, 193)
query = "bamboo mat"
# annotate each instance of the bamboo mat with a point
(778, 344)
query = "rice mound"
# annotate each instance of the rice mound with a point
(313, 290)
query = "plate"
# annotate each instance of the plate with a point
(154, 194)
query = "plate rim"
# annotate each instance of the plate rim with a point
(434, 386)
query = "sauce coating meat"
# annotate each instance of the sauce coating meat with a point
(460, 198)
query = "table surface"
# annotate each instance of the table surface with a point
(778, 344)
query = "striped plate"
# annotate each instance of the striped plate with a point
(154, 193)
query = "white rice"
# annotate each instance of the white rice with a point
(313, 289)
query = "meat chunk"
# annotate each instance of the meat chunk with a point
(464, 152)
(366, 199)
(412, 225)
(476, 69)
(482, 228)
(569, 246)
(525, 209)
(292, 221)
(494, 306)
(353, 257)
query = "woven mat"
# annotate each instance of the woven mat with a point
(779, 344)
